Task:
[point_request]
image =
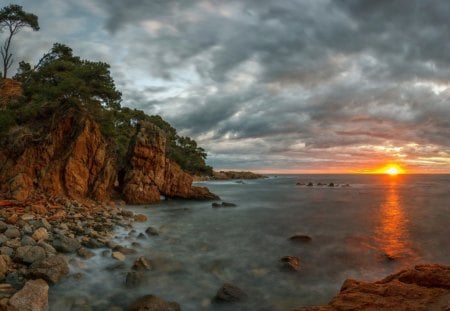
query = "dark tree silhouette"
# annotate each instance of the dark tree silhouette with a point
(13, 18)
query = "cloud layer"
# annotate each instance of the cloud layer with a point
(332, 86)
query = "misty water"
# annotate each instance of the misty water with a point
(376, 226)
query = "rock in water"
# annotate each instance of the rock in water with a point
(140, 218)
(118, 256)
(300, 238)
(291, 263)
(150, 174)
(51, 269)
(151, 231)
(32, 297)
(142, 264)
(134, 279)
(153, 303)
(230, 293)
(426, 287)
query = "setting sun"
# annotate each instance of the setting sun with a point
(392, 170)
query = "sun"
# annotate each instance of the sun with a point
(393, 169)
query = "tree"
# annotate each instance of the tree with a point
(13, 18)
(61, 77)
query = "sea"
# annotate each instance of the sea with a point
(365, 227)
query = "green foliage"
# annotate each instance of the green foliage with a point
(61, 79)
(13, 18)
(7, 120)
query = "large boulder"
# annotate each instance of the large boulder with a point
(32, 297)
(426, 287)
(153, 303)
(51, 269)
(29, 254)
(65, 244)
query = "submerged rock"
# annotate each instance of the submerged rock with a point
(32, 297)
(426, 287)
(223, 204)
(153, 303)
(141, 263)
(134, 279)
(300, 238)
(230, 293)
(151, 231)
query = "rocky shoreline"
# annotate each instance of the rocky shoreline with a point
(39, 240)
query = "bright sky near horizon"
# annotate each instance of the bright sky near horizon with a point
(302, 86)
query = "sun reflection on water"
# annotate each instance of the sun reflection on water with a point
(392, 232)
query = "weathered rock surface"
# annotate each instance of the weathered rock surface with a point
(150, 174)
(426, 287)
(32, 297)
(65, 244)
(51, 269)
(153, 303)
(29, 254)
(230, 293)
(74, 160)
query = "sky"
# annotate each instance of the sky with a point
(287, 86)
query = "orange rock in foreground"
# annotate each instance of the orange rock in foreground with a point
(426, 287)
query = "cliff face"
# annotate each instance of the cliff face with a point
(426, 287)
(150, 174)
(73, 161)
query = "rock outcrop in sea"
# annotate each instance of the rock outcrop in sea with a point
(150, 174)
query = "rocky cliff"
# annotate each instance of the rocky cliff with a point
(150, 175)
(74, 160)
(426, 287)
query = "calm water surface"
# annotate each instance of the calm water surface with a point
(354, 231)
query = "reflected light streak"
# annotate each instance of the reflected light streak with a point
(392, 233)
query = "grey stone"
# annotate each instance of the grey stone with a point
(12, 233)
(29, 254)
(52, 269)
(65, 244)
